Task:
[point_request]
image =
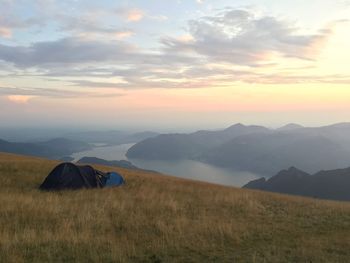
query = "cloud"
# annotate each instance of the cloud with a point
(21, 99)
(5, 32)
(124, 34)
(131, 15)
(23, 95)
(67, 18)
(106, 34)
(73, 52)
(92, 25)
(135, 15)
(158, 17)
(231, 46)
(10, 20)
(185, 38)
(244, 38)
(65, 51)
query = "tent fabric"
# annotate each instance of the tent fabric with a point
(114, 179)
(71, 176)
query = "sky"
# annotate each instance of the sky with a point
(173, 64)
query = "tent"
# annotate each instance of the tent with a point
(71, 176)
(114, 179)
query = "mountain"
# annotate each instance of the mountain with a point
(290, 126)
(255, 148)
(121, 164)
(188, 146)
(339, 133)
(63, 146)
(31, 134)
(110, 137)
(23, 148)
(55, 148)
(331, 184)
(269, 153)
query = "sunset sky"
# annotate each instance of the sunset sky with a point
(174, 64)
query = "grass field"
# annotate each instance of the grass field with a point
(155, 218)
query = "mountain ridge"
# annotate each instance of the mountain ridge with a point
(189, 146)
(254, 148)
(53, 148)
(330, 184)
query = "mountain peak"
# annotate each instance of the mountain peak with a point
(290, 126)
(326, 184)
(291, 171)
(294, 169)
(339, 125)
(237, 125)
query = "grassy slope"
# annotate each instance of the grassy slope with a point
(162, 219)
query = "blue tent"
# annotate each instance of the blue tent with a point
(114, 179)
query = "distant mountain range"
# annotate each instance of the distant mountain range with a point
(188, 146)
(110, 137)
(290, 126)
(332, 184)
(55, 148)
(255, 148)
(62, 148)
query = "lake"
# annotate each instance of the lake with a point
(181, 168)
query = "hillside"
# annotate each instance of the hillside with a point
(331, 184)
(156, 218)
(54, 148)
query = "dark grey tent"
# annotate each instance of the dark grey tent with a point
(71, 176)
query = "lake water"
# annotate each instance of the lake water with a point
(182, 168)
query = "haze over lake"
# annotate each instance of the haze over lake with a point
(181, 168)
(115, 152)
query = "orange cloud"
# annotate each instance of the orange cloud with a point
(123, 34)
(185, 38)
(105, 35)
(5, 32)
(19, 98)
(319, 42)
(135, 15)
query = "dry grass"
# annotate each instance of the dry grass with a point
(162, 219)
